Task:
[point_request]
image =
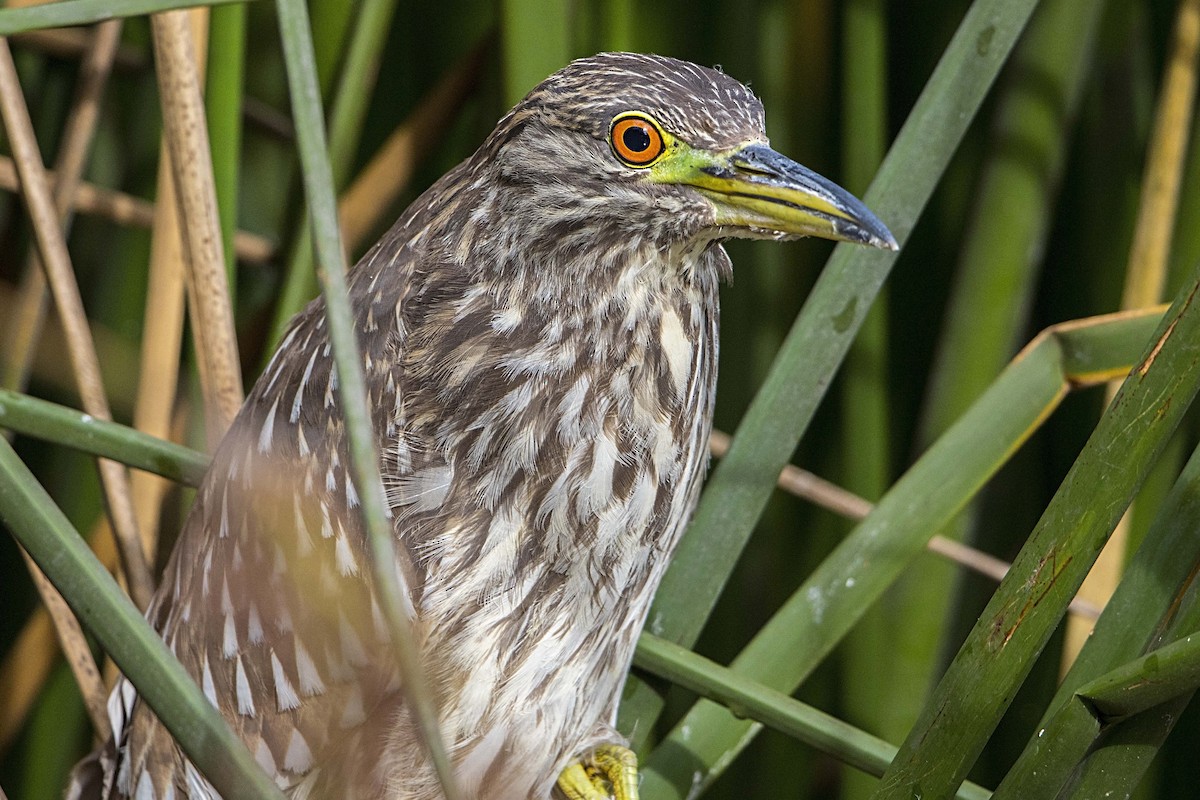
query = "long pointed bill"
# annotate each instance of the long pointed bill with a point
(763, 193)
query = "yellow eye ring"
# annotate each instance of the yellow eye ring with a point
(636, 140)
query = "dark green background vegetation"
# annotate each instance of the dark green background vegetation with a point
(1030, 225)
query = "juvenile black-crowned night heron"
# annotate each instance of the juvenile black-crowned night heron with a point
(539, 331)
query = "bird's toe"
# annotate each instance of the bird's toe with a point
(608, 773)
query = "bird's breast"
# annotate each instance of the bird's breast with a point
(570, 437)
(577, 449)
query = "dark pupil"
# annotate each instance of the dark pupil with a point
(636, 139)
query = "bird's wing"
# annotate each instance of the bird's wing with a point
(267, 600)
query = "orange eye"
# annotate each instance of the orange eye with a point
(636, 141)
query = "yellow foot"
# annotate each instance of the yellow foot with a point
(610, 773)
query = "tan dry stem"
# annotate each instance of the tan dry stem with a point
(1146, 275)
(36, 192)
(75, 647)
(204, 262)
(162, 329)
(162, 338)
(28, 316)
(1148, 258)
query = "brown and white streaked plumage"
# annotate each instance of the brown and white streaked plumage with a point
(539, 334)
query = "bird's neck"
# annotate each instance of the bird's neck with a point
(545, 324)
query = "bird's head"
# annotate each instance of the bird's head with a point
(660, 147)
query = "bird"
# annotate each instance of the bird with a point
(539, 336)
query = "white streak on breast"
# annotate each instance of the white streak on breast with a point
(473, 769)
(677, 349)
(424, 489)
(597, 489)
(505, 319)
(495, 563)
(570, 408)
